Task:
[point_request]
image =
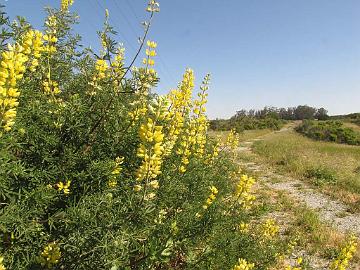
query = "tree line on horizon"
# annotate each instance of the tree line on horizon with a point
(268, 117)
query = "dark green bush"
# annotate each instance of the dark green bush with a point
(321, 176)
(333, 131)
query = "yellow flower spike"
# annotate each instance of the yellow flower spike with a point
(151, 148)
(153, 6)
(232, 140)
(243, 190)
(210, 198)
(65, 4)
(13, 66)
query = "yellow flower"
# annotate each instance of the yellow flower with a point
(214, 190)
(243, 191)
(151, 149)
(65, 187)
(269, 229)
(137, 188)
(50, 255)
(12, 68)
(211, 197)
(2, 267)
(153, 6)
(112, 183)
(65, 4)
(51, 87)
(244, 227)
(154, 184)
(243, 265)
(341, 262)
(150, 196)
(151, 44)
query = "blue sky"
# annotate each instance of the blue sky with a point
(259, 52)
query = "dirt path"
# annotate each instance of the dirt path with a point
(330, 210)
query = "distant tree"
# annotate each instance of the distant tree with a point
(304, 112)
(322, 114)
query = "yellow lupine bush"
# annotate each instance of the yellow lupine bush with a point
(97, 121)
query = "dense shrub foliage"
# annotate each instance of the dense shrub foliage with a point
(248, 120)
(333, 131)
(99, 172)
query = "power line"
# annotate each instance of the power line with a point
(132, 10)
(118, 30)
(126, 19)
(163, 66)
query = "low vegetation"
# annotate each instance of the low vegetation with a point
(332, 131)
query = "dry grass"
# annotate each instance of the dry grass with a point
(353, 126)
(334, 168)
(315, 238)
(243, 136)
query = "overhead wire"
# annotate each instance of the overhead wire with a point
(117, 30)
(125, 17)
(164, 67)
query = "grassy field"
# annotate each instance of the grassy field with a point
(244, 136)
(333, 168)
